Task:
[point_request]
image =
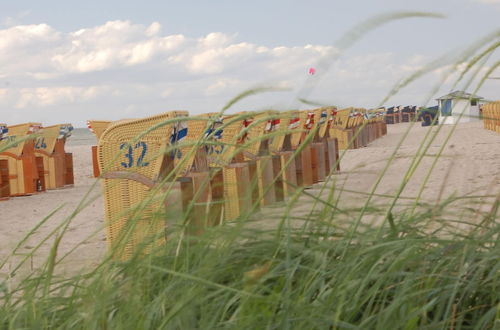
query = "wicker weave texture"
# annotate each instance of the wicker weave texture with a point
(237, 192)
(491, 116)
(282, 130)
(257, 130)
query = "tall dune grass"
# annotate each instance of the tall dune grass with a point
(327, 269)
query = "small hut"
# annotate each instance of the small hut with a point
(458, 106)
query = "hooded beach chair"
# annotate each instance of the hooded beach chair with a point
(315, 149)
(255, 149)
(326, 146)
(17, 148)
(319, 145)
(333, 160)
(303, 165)
(284, 167)
(339, 128)
(353, 124)
(134, 162)
(191, 171)
(97, 127)
(57, 164)
(230, 184)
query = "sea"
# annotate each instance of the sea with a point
(81, 137)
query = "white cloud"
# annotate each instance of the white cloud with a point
(119, 66)
(114, 44)
(222, 85)
(39, 97)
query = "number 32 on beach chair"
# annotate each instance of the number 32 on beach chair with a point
(148, 170)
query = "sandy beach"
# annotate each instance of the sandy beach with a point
(469, 165)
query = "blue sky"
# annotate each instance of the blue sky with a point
(72, 61)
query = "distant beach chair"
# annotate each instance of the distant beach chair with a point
(191, 171)
(280, 147)
(339, 128)
(133, 160)
(256, 150)
(491, 116)
(389, 116)
(57, 164)
(326, 146)
(299, 123)
(318, 148)
(97, 127)
(359, 131)
(19, 152)
(231, 179)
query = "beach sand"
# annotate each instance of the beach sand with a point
(469, 165)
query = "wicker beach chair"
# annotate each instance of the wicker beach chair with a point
(58, 165)
(191, 171)
(133, 161)
(256, 151)
(18, 150)
(303, 162)
(339, 128)
(326, 145)
(319, 147)
(230, 184)
(97, 127)
(284, 163)
(333, 144)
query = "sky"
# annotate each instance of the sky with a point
(69, 61)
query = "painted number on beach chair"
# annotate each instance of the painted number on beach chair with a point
(40, 143)
(142, 147)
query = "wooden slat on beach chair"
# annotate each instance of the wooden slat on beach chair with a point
(18, 150)
(97, 127)
(4, 167)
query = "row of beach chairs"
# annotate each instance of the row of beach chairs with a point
(401, 114)
(491, 116)
(207, 169)
(33, 159)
